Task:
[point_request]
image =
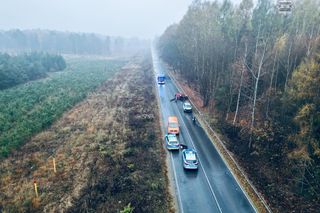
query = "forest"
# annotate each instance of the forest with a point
(22, 68)
(258, 73)
(58, 42)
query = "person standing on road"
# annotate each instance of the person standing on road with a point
(193, 119)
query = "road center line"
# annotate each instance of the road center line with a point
(205, 174)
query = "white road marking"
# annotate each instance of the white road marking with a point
(205, 174)
(177, 184)
(171, 158)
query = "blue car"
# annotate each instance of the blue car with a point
(190, 159)
(172, 142)
(161, 79)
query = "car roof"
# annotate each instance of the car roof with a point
(190, 154)
(187, 103)
(173, 119)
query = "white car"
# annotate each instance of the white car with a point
(187, 107)
(172, 142)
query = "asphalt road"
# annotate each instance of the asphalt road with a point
(212, 188)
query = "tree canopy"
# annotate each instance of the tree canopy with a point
(26, 67)
(259, 70)
(17, 41)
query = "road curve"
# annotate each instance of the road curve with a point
(212, 188)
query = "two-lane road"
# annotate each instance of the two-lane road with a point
(212, 188)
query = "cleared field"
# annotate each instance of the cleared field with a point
(32, 107)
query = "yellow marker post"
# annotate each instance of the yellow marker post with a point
(54, 165)
(36, 188)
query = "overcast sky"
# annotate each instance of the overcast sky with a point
(142, 18)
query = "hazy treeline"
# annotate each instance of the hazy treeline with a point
(25, 67)
(259, 72)
(67, 43)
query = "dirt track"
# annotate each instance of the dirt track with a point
(107, 149)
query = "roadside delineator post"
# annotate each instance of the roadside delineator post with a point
(54, 165)
(36, 188)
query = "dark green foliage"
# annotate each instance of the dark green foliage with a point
(127, 209)
(29, 108)
(26, 67)
(304, 153)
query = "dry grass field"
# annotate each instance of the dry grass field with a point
(107, 150)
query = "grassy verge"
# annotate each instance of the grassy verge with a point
(29, 108)
(132, 149)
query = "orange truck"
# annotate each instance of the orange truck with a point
(173, 125)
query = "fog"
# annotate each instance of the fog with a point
(126, 18)
(141, 18)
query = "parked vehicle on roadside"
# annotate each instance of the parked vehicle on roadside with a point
(161, 79)
(172, 142)
(173, 125)
(187, 107)
(180, 96)
(190, 159)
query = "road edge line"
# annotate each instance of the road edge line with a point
(205, 174)
(162, 131)
(203, 121)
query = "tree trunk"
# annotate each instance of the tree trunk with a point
(288, 67)
(271, 81)
(257, 43)
(240, 86)
(309, 42)
(257, 78)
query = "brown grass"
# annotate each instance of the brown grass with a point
(108, 153)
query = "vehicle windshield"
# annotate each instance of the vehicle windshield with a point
(172, 137)
(173, 125)
(173, 142)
